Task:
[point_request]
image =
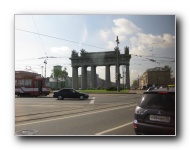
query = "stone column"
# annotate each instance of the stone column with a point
(84, 78)
(107, 76)
(75, 77)
(127, 79)
(93, 77)
(117, 72)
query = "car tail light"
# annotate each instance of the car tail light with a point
(140, 110)
(135, 123)
(162, 92)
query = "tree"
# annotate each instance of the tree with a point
(59, 74)
(135, 83)
(168, 68)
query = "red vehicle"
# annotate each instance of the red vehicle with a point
(31, 84)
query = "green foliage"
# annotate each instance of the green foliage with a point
(104, 91)
(169, 69)
(135, 83)
(113, 88)
(57, 73)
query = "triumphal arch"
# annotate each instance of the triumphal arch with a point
(94, 59)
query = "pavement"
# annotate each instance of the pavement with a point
(136, 91)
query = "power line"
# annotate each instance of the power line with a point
(83, 43)
(39, 36)
(151, 56)
(143, 56)
(62, 39)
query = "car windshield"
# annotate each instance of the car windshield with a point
(158, 101)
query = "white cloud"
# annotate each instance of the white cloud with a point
(156, 41)
(110, 45)
(84, 35)
(169, 40)
(141, 43)
(140, 50)
(66, 51)
(124, 27)
(104, 34)
(121, 28)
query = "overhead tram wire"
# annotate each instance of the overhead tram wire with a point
(39, 36)
(151, 56)
(62, 39)
(86, 45)
(47, 57)
(79, 42)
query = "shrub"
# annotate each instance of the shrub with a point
(112, 88)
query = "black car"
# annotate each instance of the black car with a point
(155, 114)
(69, 93)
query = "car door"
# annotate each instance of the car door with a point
(61, 93)
(67, 93)
(74, 94)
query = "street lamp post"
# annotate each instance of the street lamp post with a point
(42, 70)
(117, 66)
(45, 62)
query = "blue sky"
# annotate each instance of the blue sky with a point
(147, 36)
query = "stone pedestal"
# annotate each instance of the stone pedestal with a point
(108, 82)
(75, 78)
(93, 77)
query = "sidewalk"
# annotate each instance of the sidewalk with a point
(136, 91)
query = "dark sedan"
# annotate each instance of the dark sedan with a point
(69, 93)
(155, 114)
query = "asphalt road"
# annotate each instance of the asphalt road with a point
(100, 115)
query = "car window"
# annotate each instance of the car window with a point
(70, 91)
(67, 90)
(158, 101)
(62, 90)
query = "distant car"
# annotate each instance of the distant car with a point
(155, 114)
(69, 93)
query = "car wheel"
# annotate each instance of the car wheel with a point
(60, 98)
(81, 97)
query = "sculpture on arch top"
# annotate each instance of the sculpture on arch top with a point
(74, 53)
(82, 52)
(126, 50)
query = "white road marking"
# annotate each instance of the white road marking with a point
(100, 133)
(93, 100)
(78, 115)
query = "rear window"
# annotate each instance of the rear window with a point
(158, 101)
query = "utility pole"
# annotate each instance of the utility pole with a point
(45, 62)
(42, 70)
(123, 78)
(117, 66)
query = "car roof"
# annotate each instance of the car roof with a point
(161, 90)
(66, 89)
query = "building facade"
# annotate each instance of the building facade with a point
(154, 77)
